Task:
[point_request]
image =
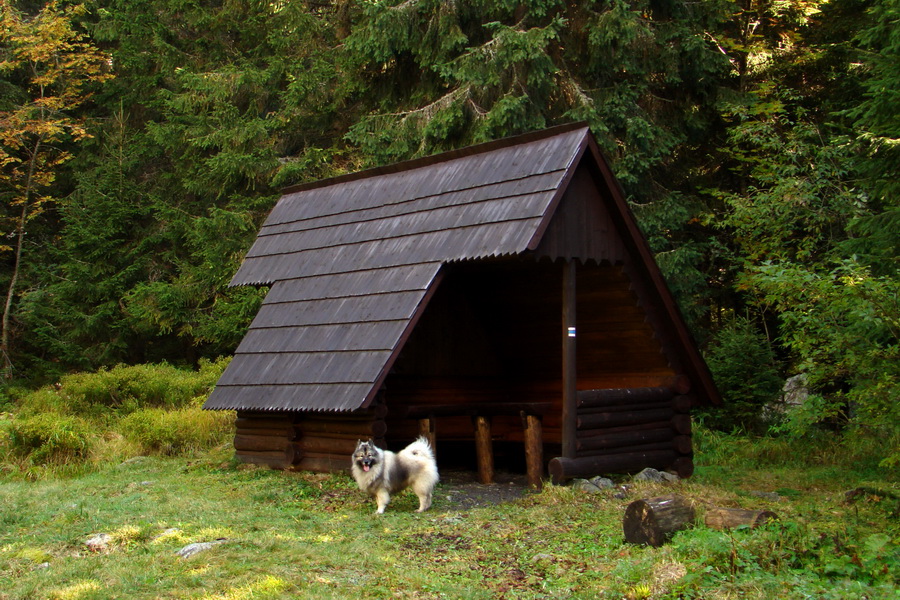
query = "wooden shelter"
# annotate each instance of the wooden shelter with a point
(498, 294)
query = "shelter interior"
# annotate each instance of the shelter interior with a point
(490, 343)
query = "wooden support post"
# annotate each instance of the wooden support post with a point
(570, 373)
(534, 450)
(484, 450)
(427, 430)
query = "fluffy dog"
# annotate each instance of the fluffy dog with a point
(381, 473)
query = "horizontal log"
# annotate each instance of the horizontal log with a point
(665, 404)
(259, 442)
(682, 424)
(596, 421)
(683, 403)
(285, 422)
(328, 445)
(588, 433)
(285, 434)
(729, 518)
(622, 449)
(277, 459)
(563, 469)
(683, 444)
(625, 438)
(323, 463)
(363, 429)
(623, 396)
(417, 411)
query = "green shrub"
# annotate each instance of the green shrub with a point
(50, 438)
(124, 389)
(743, 366)
(176, 431)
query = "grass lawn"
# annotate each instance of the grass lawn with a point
(304, 535)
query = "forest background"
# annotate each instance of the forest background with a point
(758, 141)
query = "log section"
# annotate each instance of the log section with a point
(729, 518)
(652, 521)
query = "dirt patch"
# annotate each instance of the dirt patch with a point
(461, 490)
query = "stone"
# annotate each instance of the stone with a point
(541, 558)
(603, 483)
(198, 547)
(648, 474)
(99, 542)
(583, 485)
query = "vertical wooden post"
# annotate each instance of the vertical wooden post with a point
(534, 450)
(484, 450)
(569, 399)
(426, 430)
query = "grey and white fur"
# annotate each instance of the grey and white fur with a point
(381, 473)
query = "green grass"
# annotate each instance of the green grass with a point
(304, 535)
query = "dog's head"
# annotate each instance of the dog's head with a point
(365, 455)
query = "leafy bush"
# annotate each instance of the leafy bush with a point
(170, 432)
(50, 438)
(124, 389)
(743, 365)
(844, 328)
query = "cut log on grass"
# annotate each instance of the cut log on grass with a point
(729, 518)
(652, 521)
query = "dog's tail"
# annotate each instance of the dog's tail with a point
(419, 449)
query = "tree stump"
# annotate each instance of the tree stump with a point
(729, 518)
(652, 521)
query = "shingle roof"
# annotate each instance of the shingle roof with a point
(350, 261)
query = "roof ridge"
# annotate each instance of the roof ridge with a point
(433, 159)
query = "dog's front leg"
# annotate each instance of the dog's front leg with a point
(382, 497)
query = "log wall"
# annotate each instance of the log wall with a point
(628, 429)
(306, 441)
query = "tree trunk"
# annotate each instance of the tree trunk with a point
(17, 264)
